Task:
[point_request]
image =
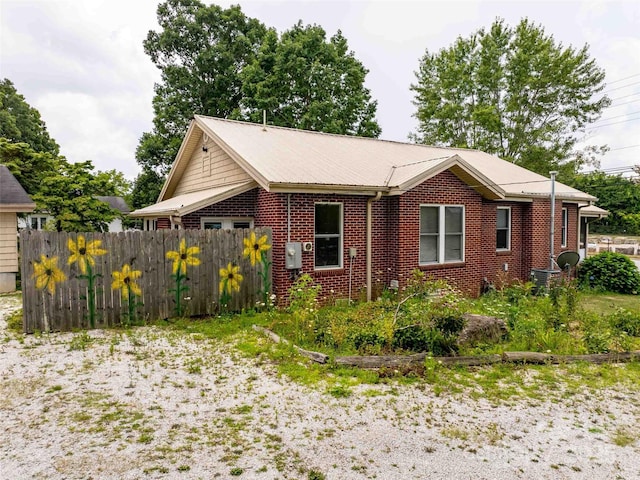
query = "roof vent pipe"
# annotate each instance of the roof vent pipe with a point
(264, 120)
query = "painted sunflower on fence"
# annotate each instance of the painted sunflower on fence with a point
(181, 258)
(253, 248)
(47, 273)
(230, 279)
(125, 281)
(83, 254)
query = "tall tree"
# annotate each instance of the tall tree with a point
(21, 123)
(513, 92)
(304, 81)
(69, 196)
(200, 52)
(28, 166)
(619, 195)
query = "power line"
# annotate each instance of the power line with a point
(626, 115)
(615, 123)
(617, 116)
(623, 79)
(625, 103)
(619, 88)
(623, 148)
(625, 96)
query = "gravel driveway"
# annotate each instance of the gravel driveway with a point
(149, 403)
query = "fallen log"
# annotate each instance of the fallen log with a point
(542, 358)
(315, 356)
(382, 361)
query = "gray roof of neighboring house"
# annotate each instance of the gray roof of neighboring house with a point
(117, 203)
(13, 197)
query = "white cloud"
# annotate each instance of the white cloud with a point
(82, 64)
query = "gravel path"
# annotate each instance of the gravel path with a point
(149, 403)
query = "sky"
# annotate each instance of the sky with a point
(81, 63)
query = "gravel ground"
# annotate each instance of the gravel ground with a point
(149, 404)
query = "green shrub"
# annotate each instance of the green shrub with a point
(626, 321)
(597, 333)
(611, 272)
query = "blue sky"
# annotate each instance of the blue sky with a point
(81, 63)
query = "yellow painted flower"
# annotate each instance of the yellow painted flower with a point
(183, 257)
(125, 280)
(47, 273)
(230, 279)
(83, 252)
(253, 248)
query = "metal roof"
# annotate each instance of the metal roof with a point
(13, 197)
(281, 158)
(190, 202)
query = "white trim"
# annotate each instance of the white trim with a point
(442, 234)
(340, 236)
(565, 227)
(508, 247)
(226, 223)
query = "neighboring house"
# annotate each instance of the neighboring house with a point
(38, 221)
(360, 213)
(13, 200)
(118, 204)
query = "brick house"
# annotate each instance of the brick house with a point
(359, 214)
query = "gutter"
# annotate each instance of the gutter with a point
(369, 235)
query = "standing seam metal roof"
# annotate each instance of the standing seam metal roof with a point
(299, 157)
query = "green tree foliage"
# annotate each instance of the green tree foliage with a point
(610, 272)
(147, 188)
(21, 123)
(219, 62)
(304, 81)
(200, 51)
(28, 166)
(69, 196)
(617, 194)
(513, 92)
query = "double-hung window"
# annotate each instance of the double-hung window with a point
(503, 228)
(441, 234)
(565, 224)
(328, 235)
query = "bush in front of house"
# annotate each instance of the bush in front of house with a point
(610, 272)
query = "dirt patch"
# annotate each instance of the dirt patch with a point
(150, 403)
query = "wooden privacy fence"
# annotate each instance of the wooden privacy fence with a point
(86, 280)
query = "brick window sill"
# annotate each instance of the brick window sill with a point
(441, 266)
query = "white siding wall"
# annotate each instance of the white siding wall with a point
(8, 242)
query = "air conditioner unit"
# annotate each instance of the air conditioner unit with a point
(307, 246)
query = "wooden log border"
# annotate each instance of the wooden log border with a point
(394, 361)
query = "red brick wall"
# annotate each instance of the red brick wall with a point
(443, 189)
(396, 236)
(243, 205)
(273, 213)
(494, 261)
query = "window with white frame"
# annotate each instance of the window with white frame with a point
(503, 228)
(565, 224)
(328, 235)
(150, 224)
(225, 223)
(441, 234)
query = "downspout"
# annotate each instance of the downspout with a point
(553, 220)
(369, 235)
